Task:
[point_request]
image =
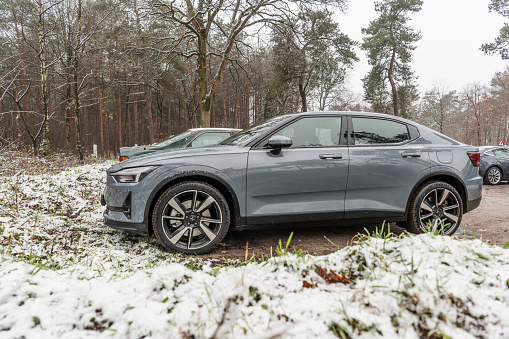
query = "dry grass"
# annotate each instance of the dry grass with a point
(14, 161)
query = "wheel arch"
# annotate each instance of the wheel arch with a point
(447, 177)
(201, 176)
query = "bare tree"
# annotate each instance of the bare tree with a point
(473, 95)
(229, 19)
(439, 107)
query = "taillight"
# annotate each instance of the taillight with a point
(122, 158)
(475, 157)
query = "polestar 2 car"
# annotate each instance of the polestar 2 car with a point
(314, 168)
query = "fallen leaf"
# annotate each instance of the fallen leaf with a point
(305, 284)
(332, 277)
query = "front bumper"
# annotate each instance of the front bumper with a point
(133, 228)
(125, 207)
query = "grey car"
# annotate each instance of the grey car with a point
(494, 164)
(194, 137)
(313, 168)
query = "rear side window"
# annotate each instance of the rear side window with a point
(313, 132)
(369, 131)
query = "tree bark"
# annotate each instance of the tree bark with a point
(148, 107)
(205, 98)
(303, 98)
(169, 115)
(119, 108)
(45, 145)
(115, 115)
(393, 84)
(77, 107)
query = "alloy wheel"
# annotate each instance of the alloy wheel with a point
(439, 211)
(494, 175)
(191, 219)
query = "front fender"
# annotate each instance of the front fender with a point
(183, 173)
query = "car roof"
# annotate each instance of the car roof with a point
(487, 148)
(214, 129)
(358, 113)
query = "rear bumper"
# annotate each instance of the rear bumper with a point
(473, 204)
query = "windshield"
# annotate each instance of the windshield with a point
(178, 140)
(252, 133)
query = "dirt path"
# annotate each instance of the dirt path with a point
(489, 221)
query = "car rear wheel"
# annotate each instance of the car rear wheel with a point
(191, 217)
(436, 207)
(493, 176)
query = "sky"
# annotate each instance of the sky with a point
(448, 53)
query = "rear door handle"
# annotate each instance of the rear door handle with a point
(331, 156)
(411, 154)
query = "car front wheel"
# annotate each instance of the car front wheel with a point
(493, 176)
(191, 217)
(436, 207)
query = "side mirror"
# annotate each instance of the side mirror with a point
(276, 142)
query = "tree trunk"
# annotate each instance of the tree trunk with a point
(204, 96)
(77, 107)
(169, 115)
(303, 98)
(115, 114)
(45, 146)
(148, 108)
(99, 103)
(136, 122)
(119, 108)
(393, 84)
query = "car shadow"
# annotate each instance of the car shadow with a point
(263, 242)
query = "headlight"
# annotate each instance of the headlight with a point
(132, 175)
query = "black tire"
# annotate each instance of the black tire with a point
(191, 217)
(493, 176)
(434, 204)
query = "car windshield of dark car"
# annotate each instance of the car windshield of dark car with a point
(178, 140)
(252, 133)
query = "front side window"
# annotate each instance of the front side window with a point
(209, 139)
(368, 131)
(313, 132)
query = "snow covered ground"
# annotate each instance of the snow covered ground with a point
(63, 274)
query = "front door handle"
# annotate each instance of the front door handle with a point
(331, 156)
(411, 154)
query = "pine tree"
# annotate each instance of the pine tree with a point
(389, 43)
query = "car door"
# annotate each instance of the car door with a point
(502, 155)
(385, 164)
(305, 182)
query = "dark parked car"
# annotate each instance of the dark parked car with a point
(494, 164)
(194, 137)
(313, 168)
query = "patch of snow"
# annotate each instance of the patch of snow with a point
(64, 274)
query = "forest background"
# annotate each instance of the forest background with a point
(115, 73)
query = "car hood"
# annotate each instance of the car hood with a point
(137, 147)
(161, 157)
(135, 150)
